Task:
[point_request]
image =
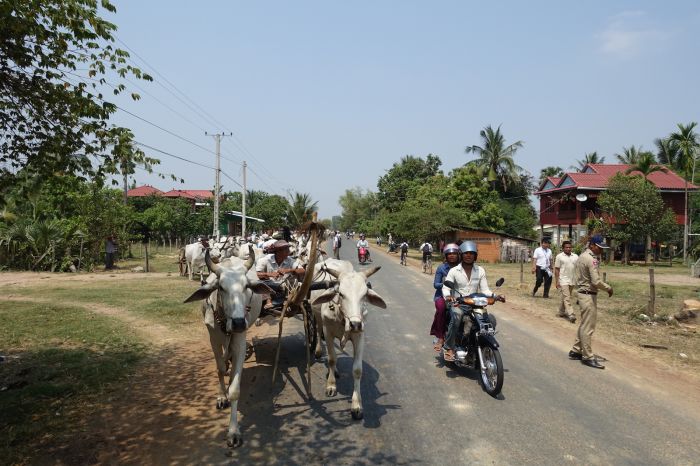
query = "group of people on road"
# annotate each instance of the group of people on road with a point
(574, 277)
(337, 240)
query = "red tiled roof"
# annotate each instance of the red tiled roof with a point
(142, 191)
(190, 193)
(666, 181)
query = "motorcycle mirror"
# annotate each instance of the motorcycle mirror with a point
(449, 284)
(500, 281)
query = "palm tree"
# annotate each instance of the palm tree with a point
(591, 157)
(546, 172)
(646, 165)
(631, 155)
(496, 159)
(301, 209)
(667, 153)
(687, 141)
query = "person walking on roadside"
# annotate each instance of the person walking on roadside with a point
(564, 279)
(110, 251)
(542, 267)
(588, 283)
(337, 242)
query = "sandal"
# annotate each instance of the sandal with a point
(268, 306)
(448, 355)
(438, 346)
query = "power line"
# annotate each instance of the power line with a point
(173, 155)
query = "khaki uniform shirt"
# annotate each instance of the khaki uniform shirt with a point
(565, 264)
(587, 274)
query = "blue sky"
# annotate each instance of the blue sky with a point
(324, 96)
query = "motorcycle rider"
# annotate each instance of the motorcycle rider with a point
(469, 278)
(451, 252)
(363, 243)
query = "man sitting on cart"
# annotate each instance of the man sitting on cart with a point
(274, 267)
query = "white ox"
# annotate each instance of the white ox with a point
(194, 257)
(343, 311)
(232, 299)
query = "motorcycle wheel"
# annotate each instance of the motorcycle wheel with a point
(492, 376)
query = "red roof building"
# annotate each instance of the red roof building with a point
(193, 194)
(143, 191)
(572, 199)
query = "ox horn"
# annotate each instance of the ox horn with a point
(251, 258)
(335, 273)
(371, 271)
(215, 268)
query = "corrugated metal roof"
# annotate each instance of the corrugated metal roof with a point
(145, 190)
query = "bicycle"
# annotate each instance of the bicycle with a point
(428, 265)
(403, 257)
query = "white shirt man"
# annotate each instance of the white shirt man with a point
(542, 266)
(337, 241)
(564, 266)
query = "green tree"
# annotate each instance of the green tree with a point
(634, 210)
(359, 209)
(591, 157)
(300, 210)
(546, 172)
(496, 158)
(632, 155)
(409, 171)
(686, 140)
(667, 153)
(646, 165)
(54, 118)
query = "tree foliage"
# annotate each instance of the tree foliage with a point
(633, 209)
(394, 186)
(546, 172)
(496, 159)
(55, 56)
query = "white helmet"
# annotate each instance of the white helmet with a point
(468, 246)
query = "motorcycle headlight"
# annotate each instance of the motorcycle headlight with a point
(481, 301)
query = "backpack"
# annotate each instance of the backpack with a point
(404, 247)
(426, 247)
(340, 242)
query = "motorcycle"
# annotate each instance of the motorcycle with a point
(362, 255)
(476, 345)
(393, 247)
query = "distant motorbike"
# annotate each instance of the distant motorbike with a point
(392, 247)
(362, 255)
(476, 345)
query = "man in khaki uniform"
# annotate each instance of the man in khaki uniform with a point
(588, 283)
(564, 279)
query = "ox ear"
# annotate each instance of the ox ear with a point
(203, 292)
(375, 300)
(260, 288)
(326, 297)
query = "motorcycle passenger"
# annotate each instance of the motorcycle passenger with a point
(469, 278)
(451, 252)
(363, 243)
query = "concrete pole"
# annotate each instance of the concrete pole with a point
(243, 210)
(217, 186)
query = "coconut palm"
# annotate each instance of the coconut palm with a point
(301, 209)
(546, 172)
(646, 165)
(591, 157)
(496, 158)
(688, 145)
(667, 153)
(631, 155)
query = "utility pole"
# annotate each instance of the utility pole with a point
(243, 205)
(217, 185)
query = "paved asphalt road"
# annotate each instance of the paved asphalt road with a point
(418, 411)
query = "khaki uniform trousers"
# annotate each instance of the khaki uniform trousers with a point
(336, 253)
(565, 308)
(589, 313)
